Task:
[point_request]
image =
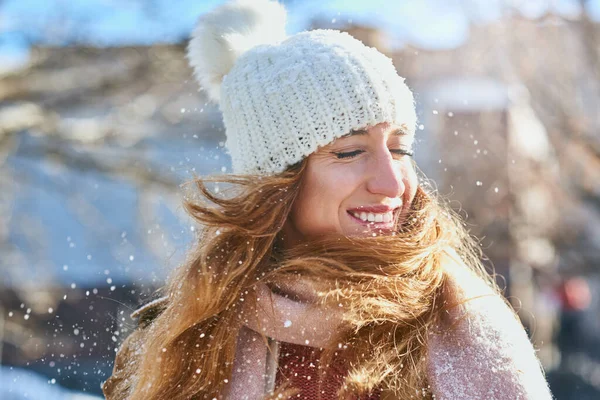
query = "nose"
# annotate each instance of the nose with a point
(385, 175)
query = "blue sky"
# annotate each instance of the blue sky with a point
(423, 23)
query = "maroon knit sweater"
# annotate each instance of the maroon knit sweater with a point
(299, 365)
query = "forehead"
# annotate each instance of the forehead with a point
(393, 130)
(386, 129)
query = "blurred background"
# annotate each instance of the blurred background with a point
(101, 124)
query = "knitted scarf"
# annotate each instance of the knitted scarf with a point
(287, 312)
(482, 352)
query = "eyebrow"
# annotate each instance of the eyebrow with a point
(398, 131)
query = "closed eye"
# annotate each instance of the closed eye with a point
(402, 152)
(348, 154)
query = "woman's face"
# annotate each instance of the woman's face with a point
(358, 185)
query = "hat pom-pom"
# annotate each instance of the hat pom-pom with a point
(228, 31)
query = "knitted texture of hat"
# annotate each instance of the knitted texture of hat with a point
(284, 98)
(282, 102)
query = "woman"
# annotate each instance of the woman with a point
(325, 271)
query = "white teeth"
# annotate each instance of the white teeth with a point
(374, 217)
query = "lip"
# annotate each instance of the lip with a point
(371, 225)
(379, 208)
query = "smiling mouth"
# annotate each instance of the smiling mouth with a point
(377, 219)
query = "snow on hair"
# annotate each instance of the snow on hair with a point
(225, 33)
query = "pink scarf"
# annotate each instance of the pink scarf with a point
(293, 317)
(484, 352)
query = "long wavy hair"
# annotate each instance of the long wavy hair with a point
(392, 286)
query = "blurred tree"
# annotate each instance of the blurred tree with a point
(510, 134)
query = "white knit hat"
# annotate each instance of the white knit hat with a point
(283, 97)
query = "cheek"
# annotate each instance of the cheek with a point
(411, 183)
(316, 210)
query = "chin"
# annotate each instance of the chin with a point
(362, 232)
